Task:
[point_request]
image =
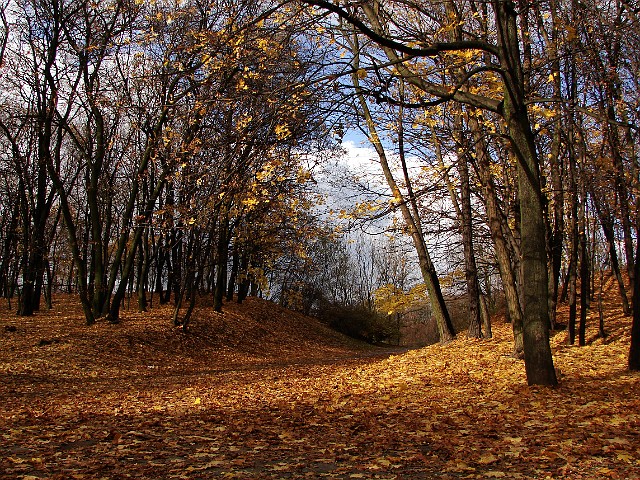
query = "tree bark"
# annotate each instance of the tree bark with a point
(634, 349)
(221, 260)
(606, 222)
(537, 351)
(497, 227)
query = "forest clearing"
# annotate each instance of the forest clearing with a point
(262, 392)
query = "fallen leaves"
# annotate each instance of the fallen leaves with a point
(261, 392)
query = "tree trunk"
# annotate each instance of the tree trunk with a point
(470, 268)
(574, 243)
(222, 260)
(486, 317)
(243, 287)
(235, 265)
(556, 232)
(75, 248)
(584, 289)
(465, 219)
(634, 349)
(143, 274)
(9, 249)
(497, 227)
(429, 275)
(129, 258)
(606, 223)
(535, 287)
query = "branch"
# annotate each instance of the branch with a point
(603, 118)
(391, 48)
(430, 50)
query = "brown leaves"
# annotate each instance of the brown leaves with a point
(263, 392)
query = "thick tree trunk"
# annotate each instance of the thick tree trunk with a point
(535, 287)
(537, 351)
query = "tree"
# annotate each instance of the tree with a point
(34, 78)
(500, 231)
(408, 208)
(503, 55)
(610, 117)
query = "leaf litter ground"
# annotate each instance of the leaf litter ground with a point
(261, 392)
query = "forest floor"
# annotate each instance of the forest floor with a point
(260, 392)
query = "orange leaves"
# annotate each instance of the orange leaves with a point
(262, 391)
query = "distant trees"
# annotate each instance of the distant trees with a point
(341, 282)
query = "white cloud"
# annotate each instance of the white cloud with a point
(359, 157)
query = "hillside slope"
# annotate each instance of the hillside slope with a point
(256, 332)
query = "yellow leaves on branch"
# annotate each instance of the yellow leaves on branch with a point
(361, 73)
(429, 117)
(268, 170)
(242, 85)
(274, 185)
(488, 84)
(572, 33)
(541, 115)
(243, 122)
(450, 279)
(390, 299)
(251, 202)
(269, 46)
(360, 210)
(282, 132)
(263, 44)
(303, 175)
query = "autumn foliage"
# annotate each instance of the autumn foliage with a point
(262, 392)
